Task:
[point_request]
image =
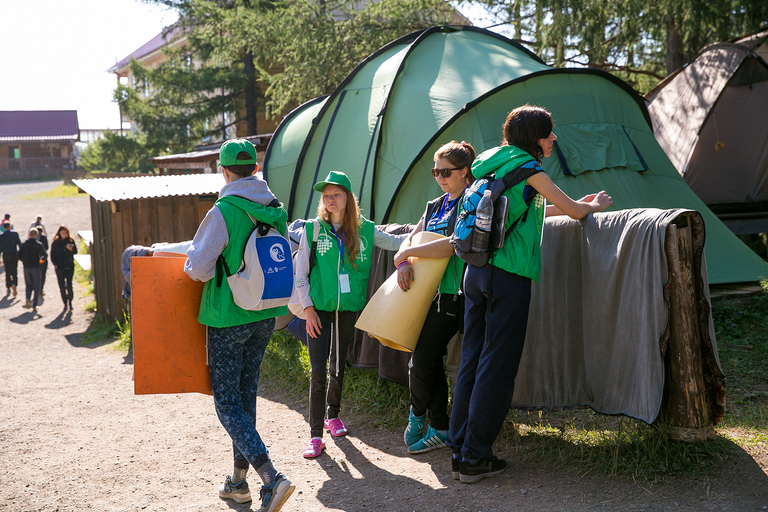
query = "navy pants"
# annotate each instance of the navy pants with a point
(32, 280)
(11, 264)
(234, 362)
(426, 375)
(486, 378)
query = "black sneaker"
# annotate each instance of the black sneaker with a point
(471, 473)
(456, 467)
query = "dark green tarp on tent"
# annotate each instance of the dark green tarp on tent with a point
(383, 124)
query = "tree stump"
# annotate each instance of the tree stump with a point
(684, 404)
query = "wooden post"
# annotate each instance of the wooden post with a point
(684, 401)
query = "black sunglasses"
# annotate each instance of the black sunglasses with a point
(445, 173)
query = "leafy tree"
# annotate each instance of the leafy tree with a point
(247, 55)
(639, 41)
(116, 153)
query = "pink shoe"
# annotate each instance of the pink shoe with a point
(336, 427)
(314, 448)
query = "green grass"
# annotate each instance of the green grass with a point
(63, 190)
(572, 439)
(286, 369)
(580, 439)
(742, 336)
(99, 330)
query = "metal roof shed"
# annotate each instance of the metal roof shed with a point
(141, 211)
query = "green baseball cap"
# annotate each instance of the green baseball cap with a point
(334, 178)
(230, 149)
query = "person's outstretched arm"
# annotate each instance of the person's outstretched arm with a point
(565, 205)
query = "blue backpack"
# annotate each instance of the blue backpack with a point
(465, 225)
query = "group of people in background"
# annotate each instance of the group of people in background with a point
(331, 278)
(33, 255)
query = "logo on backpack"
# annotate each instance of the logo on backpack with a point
(277, 252)
(264, 279)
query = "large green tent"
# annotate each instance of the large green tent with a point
(384, 122)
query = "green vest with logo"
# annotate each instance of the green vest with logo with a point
(521, 252)
(324, 277)
(217, 307)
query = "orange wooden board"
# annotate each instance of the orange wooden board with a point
(168, 342)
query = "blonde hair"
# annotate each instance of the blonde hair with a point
(350, 223)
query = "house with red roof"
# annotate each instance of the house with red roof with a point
(35, 143)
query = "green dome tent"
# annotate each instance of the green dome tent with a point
(384, 122)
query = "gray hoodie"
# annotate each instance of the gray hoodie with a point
(212, 237)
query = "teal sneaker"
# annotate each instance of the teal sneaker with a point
(414, 429)
(432, 440)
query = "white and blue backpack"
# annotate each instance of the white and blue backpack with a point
(265, 277)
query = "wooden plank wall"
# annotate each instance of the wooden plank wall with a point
(102, 237)
(120, 224)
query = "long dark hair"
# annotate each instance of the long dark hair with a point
(56, 237)
(525, 126)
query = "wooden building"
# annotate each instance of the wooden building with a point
(205, 158)
(36, 143)
(141, 211)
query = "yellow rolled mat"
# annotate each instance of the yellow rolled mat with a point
(395, 317)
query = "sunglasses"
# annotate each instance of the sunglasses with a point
(445, 173)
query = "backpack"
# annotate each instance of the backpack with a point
(465, 224)
(265, 277)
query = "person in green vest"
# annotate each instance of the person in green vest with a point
(237, 338)
(427, 381)
(497, 295)
(331, 293)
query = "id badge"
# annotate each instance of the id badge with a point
(344, 283)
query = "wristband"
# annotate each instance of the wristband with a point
(404, 262)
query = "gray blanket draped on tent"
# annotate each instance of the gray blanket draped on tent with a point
(598, 323)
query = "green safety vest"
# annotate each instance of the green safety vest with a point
(324, 274)
(217, 307)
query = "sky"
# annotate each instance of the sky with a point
(54, 55)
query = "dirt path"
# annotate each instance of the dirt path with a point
(73, 436)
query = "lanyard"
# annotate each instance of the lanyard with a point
(447, 206)
(340, 245)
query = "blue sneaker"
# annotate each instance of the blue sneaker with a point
(414, 429)
(432, 440)
(274, 496)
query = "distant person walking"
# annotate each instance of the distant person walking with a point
(10, 243)
(43, 239)
(38, 225)
(31, 255)
(6, 218)
(63, 250)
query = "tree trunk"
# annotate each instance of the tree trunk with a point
(675, 57)
(250, 95)
(684, 402)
